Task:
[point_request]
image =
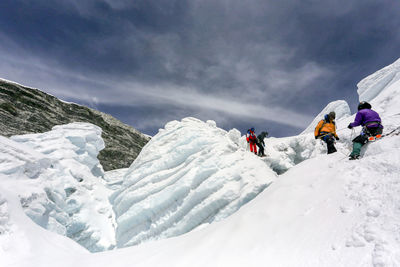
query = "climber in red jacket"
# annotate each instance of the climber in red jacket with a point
(252, 140)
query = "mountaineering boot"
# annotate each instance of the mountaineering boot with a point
(353, 157)
(356, 149)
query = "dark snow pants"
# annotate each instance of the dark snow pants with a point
(260, 149)
(330, 143)
(362, 139)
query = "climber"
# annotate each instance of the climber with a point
(326, 131)
(252, 140)
(372, 128)
(260, 143)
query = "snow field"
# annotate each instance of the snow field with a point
(325, 211)
(25, 243)
(372, 191)
(322, 211)
(199, 174)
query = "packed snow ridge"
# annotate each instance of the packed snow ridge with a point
(189, 174)
(58, 179)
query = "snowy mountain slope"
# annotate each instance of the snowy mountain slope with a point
(324, 211)
(372, 86)
(285, 153)
(26, 110)
(189, 174)
(340, 107)
(381, 89)
(58, 179)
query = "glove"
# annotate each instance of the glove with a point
(337, 138)
(316, 137)
(350, 127)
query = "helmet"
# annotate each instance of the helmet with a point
(364, 105)
(252, 129)
(332, 115)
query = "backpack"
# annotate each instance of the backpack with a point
(326, 120)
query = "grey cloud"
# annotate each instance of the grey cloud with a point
(235, 57)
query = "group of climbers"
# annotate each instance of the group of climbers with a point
(326, 131)
(366, 117)
(256, 141)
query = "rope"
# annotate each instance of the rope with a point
(346, 156)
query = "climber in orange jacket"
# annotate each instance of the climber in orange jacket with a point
(326, 131)
(252, 140)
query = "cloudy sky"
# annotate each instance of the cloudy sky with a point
(268, 64)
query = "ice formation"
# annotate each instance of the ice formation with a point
(322, 211)
(60, 182)
(381, 89)
(372, 86)
(325, 211)
(189, 174)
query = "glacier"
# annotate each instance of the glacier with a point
(190, 173)
(322, 210)
(59, 182)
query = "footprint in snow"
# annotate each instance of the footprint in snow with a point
(373, 212)
(355, 241)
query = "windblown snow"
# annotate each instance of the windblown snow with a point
(322, 210)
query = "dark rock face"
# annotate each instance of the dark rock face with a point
(25, 110)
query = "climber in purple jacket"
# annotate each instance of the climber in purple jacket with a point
(372, 127)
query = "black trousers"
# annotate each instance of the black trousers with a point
(260, 149)
(363, 137)
(330, 143)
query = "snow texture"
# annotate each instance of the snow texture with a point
(189, 174)
(21, 160)
(382, 90)
(372, 86)
(60, 182)
(323, 210)
(340, 107)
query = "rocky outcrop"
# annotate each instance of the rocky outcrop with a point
(25, 110)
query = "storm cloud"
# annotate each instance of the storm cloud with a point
(266, 64)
